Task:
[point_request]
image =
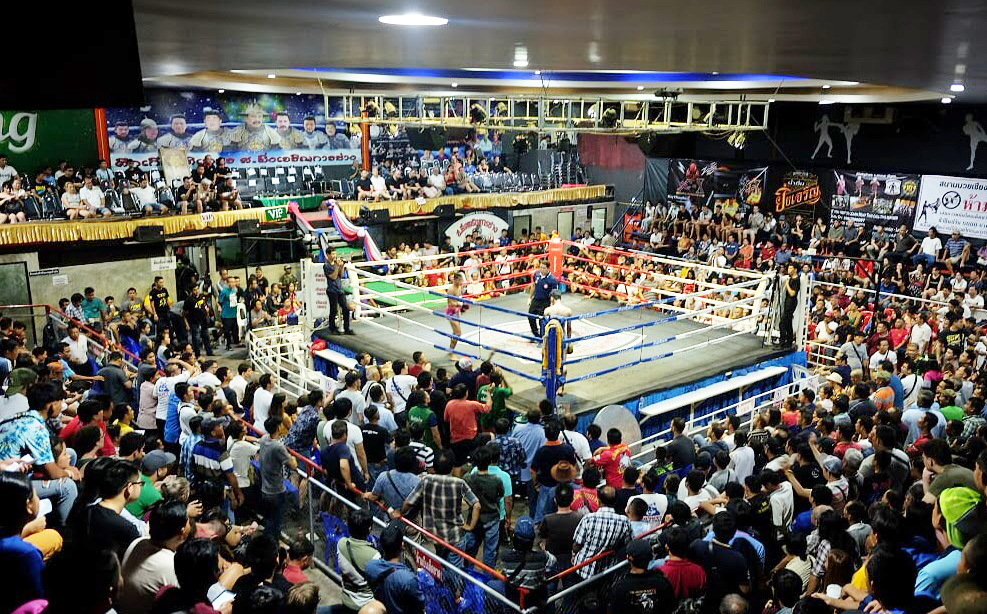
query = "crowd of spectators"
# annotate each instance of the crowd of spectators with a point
(428, 176)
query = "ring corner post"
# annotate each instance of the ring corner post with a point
(555, 254)
(553, 357)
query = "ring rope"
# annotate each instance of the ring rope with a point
(656, 290)
(667, 260)
(676, 278)
(654, 358)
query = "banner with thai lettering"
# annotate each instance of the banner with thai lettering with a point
(246, 129)
(868, 199)
(699, 182)
(952, 203)
(799, 190)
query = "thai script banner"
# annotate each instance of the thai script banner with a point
(952, 203)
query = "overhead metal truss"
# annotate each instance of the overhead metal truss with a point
(550, 113)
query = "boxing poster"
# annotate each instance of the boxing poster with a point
(952, 203)
(868, 199)
(699, 182)
(246, 129)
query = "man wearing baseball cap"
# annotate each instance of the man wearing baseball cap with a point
(154, 468)
(641, 590)
(523, 566)
(14, 400)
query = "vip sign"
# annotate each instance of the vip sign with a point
(18, 131)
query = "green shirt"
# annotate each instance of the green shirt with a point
(428, 419)
(148, 497)
(498, 407)
(952, 412)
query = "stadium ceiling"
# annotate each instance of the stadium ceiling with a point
(832, 51)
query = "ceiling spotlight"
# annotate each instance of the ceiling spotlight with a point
(520, 56)
(454, 84)
(956, 87)
(826, 86)
(221, 91)
(640, 87)
(298, 93)
(825, 102)
(520, 63)
(946, 99)
(412, 19)
(714, 73)
(537, 72)
(271, 76)
(771, 100)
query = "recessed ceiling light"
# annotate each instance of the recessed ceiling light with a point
(825, 102)
(298, 93)
(640, 87)
(454, 84)
(520, 63)
(221, 91)
(771, 100)
(537, 72)
(412, 19)
(714, 73)
(271, 76)
(956, 87)
(826, 86)
(946, 99)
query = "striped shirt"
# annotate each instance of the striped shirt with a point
(211, 462)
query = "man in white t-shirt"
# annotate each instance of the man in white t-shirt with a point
(400, 386)
(207, 379)
(93, 199)
(379, 186)
(929, 252)
(164, 389)
(742, 457)
(262, 401)
(911, 383)
(149, 563)
(238, 384)
(147, 197)
(883, 353)
(355, 395)
(578, 441)
(340, 411)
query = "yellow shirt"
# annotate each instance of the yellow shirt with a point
(859, 579)
(124, 428)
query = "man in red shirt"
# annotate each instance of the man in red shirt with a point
(421, 364)
(613, 459)
(90, 413)
(461, 414)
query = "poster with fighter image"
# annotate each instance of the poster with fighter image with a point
(700, 182)
(869, 199)
(952, 203)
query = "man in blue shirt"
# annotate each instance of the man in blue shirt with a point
(532, 438)
(541, 289)
(395, 585)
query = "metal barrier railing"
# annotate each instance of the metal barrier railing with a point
(696, 425)
(282, 351)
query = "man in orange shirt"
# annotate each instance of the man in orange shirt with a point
(883, 397)
(461, 414)
(613, 459)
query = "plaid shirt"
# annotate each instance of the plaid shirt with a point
(512, 457)
(302, 432)
(970, 426)
(602, 530)
(441, 498)
(819, 548)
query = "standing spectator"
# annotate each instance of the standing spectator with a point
(196, 310)
(598, 532)
(461, 414)
(527, 568)
(354, 554)
(117, 379)
(376, 441)
(688, 580)
(512, 455)
(274, 460)
(212, 463)
(554, 463)
(641, 590)
(395, 485)
(726, 568)
(228, 301)
(440, 497)
(394, 584)
(558, 529)
(680, 449)
(489, 490)
(352, 392)
(101, 523)
(613, 459)
(263, 398)
(303, 434)
(532, 437)
(399, 389)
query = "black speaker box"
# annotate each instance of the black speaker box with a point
(426, 138)
(247, 227)
(149, 234)
(379, 216)
(445, 211)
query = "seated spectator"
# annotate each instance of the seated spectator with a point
(393, 583)
(72, 203)
(93, 199)
(149, 563)
(147, 198)
(21, 560)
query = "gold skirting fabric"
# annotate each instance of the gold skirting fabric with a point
(116, 229)
(109, 230)
(402, 208)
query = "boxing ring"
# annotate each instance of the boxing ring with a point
(682, 322)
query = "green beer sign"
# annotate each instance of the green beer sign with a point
(33, 139)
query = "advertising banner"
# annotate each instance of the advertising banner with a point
(952, 203)
(34, 139)
(869, 199)
(798, 190)
(247, 130)
(487, 224)
(699, 182)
